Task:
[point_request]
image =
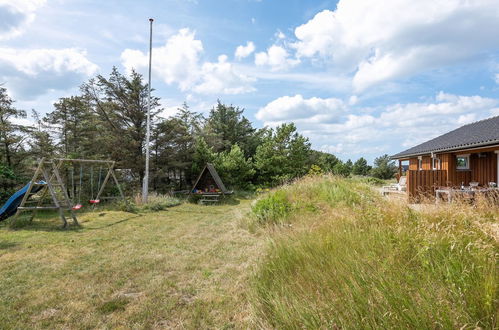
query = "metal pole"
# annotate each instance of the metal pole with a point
(145, 184)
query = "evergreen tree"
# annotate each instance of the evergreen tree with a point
(202, 154)
(121, 104)
(77, 128)
(227, 126)
(10, 139)
(360, 167)
(283, 155)
(236, 170)
(384, 168)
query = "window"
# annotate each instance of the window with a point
(463, 162)
(420, 163)
(435, 163)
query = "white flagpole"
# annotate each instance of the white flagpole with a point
(145, 183)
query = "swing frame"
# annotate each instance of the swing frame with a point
(51, 174)
(110, 174)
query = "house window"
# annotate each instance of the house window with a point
(463, 162)
(420, 163)
(435, 163)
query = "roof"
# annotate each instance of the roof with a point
(481, 133)
(214, 175)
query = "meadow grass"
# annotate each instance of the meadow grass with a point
(344, 257)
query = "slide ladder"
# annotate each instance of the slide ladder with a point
(48, 171)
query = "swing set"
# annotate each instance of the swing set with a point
(48, 175)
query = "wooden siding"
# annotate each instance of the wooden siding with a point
(413, 164)
(423, 183)
(483, 167)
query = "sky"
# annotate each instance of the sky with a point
(359, 78)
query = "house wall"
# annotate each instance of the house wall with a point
(483, 169)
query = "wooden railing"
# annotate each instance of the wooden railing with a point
(422, 184)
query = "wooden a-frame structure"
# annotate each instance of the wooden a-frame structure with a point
(47, 174)
(205, 185)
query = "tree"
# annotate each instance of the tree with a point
(172, 151)
(384, 168)
(202, 154)
(41, 143)
(227, 126)
(121, 104)
(324, 160)
(283, 155)
(236, 170)
(342, 169)
(360, 167)
(77, 128)
(10, 140)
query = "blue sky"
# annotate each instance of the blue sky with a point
(358, 77)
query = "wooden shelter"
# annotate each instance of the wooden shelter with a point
(209, 185)
(467, 156)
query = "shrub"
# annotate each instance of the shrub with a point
(160, 202)
(272, 208)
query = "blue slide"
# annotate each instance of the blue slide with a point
(10, 207)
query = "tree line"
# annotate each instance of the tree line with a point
(107, 120)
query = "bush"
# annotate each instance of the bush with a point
(160, 202)
(128, 206)
(272, 208)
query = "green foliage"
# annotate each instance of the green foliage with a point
(8, 181)
(324, 160)
(341, 169)
(161, 202)
(384, 168)
(128, 206)
(315, 170)
(272, 208)
(202, 154)
(226, 126)
(283, 155)
(236, 170)
(360, 167)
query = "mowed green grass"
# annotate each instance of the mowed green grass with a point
(185, 267)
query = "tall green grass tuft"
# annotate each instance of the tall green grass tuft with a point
(272, 208)
(358, 261)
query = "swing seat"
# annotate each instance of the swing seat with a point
(77, 207)
(94, 201)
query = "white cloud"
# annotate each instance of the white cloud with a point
(296, 108)
(398, 38)
(220, 77)
(33, 72)
(16, 15)
(179, 62)
(276, 57)
(332, 124)
(245, 51)
(176, 61)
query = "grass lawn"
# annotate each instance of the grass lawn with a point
(184, 267)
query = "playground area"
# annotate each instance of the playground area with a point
(184, 267)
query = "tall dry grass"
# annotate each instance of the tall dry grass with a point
(347, 258)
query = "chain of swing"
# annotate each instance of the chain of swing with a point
(77, 189)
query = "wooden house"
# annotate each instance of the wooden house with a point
(467, 154)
